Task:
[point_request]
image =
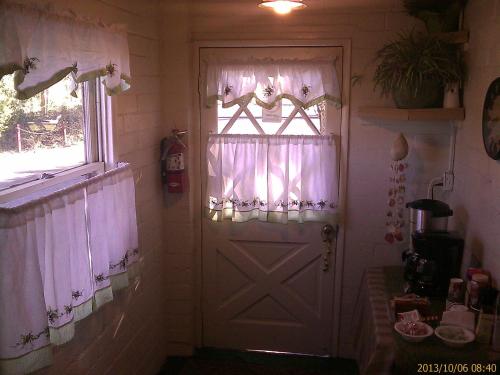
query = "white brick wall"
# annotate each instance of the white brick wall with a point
(177, 84)
(477, 194)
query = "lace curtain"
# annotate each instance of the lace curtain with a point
(272, 178)
(61, 256)
(305, 83)
(41, 48)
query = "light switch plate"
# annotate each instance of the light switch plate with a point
(448, 180)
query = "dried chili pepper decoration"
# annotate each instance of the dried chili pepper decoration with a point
(29, 64)
(111, 69)
(305, 90)
(268, 91)
(396, 200)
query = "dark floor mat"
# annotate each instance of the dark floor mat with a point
(229, 362)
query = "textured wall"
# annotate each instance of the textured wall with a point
(477, 194)
(127, 336)
(179, 216)
(369, 160)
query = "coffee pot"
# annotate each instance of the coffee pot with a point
(429, 215)
(435, 255)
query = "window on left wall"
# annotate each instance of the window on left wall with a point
(49, 135)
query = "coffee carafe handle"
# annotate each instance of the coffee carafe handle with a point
(406, 254)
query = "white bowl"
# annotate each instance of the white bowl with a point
(413, 338)
(460, 308)
(454, 336)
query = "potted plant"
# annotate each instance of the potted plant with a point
(415, 68)
(438, 16)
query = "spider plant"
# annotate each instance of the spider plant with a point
(417, 65)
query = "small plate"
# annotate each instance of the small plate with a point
(454, 336)
(399, 327)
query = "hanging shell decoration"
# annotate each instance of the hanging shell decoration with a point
(396, 196)
(399, 149)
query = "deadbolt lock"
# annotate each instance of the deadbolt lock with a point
(327, 232)
(327, 235)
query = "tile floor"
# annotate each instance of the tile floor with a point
(209, 361)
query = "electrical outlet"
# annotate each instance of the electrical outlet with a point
(448, 179)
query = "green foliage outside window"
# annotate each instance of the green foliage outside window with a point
(45, 106)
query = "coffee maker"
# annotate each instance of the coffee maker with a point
(435, 254)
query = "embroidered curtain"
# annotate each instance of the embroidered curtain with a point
(41, 48)
(49, 275)
(305, 83)
(272, 178)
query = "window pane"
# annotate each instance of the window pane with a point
(298, 126)
(243, 125)
(44, 134)
(224, 115)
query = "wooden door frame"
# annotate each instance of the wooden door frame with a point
(197, 157)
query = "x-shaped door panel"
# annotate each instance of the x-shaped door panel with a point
(270, 282)
(243, 108)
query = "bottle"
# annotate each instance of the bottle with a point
(479, 282)
(455, 293)
(486, 319)
(471, 272)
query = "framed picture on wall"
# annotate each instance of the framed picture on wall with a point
(491, 120)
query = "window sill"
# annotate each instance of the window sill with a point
(22, 190)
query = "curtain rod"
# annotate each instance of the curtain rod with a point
(48, 10)
(122, 167)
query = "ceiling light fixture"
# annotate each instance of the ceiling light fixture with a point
(282, 6)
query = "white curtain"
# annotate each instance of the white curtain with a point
(60, 256)
(272, 178)
(113, 231)
(42, 48)
(305, 83)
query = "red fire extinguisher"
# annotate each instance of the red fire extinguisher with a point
(174, 176)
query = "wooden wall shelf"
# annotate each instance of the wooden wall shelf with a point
(427, 114)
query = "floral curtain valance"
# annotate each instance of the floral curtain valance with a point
(305, 83)
(62, 255)
(41, 48)
(272, 178)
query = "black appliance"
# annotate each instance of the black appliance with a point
(435, 258)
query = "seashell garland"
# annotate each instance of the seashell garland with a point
(396, 196)
(396, 202)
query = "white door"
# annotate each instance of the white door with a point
(265, 285)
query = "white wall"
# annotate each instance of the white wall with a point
(369, 160)
(179, 217)
(477, 196)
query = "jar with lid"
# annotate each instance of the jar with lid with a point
(455, 293)
(479, 281)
